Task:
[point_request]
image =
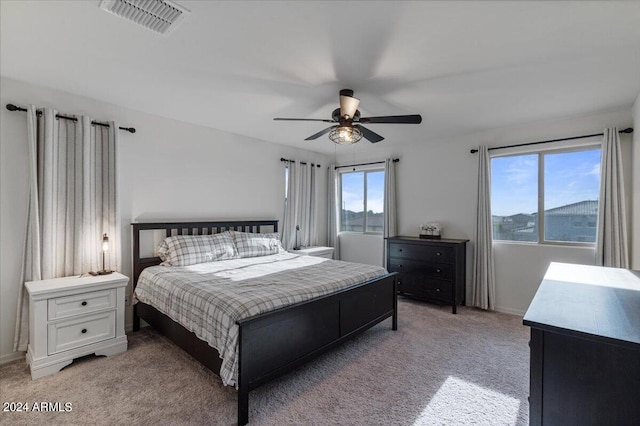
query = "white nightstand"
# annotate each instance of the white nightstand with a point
(317, 251)
(74, 316)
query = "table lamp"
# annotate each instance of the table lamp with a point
(105, 249)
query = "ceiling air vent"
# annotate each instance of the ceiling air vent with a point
(160, 16)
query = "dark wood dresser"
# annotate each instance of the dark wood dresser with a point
(585, 347)
(430, 270)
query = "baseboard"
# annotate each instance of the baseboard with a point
(510, 311)
(4, 359)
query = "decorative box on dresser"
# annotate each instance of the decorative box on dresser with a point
(74, 316)
(585, 347)
(429, 269)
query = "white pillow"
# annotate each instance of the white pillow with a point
(251, 245)
(184, 250)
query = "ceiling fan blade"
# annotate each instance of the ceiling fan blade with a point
(395, 119)
(306, 119)
(320, 133)
(348, 106)
(372, 137)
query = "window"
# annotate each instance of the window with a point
(549, 196)
(362, 201)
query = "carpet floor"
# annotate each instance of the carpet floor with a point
(436, 369)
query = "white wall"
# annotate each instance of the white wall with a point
(436, 181)
(361, 248)
(168, 170)
(635, 188)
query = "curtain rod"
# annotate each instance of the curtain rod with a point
(395, 160)
(12, 107)
(302, 162)
(628, 130)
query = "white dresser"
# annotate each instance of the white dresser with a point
(74, 316)
(318, 251)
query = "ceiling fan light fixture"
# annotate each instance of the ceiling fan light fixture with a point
(349, 129)
(345, 135)
(348, 106)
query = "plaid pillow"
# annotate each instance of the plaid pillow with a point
(252, 245)
(184, 250)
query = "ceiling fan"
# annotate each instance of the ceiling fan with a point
(348, 129)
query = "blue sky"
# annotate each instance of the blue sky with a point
(353, 191)
(569, 177)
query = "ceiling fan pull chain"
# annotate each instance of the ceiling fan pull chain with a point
(353, 156)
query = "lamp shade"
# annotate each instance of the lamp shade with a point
(348, 106)
(105, 243)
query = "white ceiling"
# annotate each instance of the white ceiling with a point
(465, 66)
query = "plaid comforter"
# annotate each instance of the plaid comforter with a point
(208, 298)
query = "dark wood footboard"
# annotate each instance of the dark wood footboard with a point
(273, 344)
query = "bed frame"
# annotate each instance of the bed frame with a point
(276, 342)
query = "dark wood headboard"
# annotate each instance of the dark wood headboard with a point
(189, 228)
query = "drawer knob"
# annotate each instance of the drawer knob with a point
(399, 249)
(84, 330)
(438, 270)
(438, 253)
(84, 303)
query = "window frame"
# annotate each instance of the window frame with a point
(365, 170)
(541, 153)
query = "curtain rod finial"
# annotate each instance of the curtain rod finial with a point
(473, 151)
(12, 107)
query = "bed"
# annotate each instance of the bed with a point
(275, 337)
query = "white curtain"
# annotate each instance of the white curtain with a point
(483, 283)
(300, 207)
(611, 243)
(72, 203)
(390, 210)
(333, 212)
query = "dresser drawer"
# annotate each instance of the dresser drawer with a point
(442, 271)
(81, 331)
(427, 289)
(422, 252)
(80, 304)
(441, 290)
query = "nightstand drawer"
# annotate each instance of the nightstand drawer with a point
(422, 253)
(73, 333)
(79, 304)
